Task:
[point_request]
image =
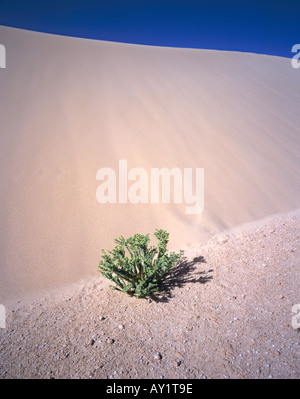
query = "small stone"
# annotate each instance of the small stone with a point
(178, 362)
(281, 296)
(110, 340)
(102, 317)
(121, 327)
(222, 239)
(158, 356)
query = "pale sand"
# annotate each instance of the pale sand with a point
(71, 106)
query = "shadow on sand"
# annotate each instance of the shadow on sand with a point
(183, 273)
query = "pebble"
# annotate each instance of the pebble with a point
(222, 240)
(121, 327)
(158, 356)
(110, 340)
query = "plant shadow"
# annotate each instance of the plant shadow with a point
(183, 273)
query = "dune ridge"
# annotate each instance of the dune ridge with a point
(69, 107)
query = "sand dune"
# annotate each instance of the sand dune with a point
(71, 106)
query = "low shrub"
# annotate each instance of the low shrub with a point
(136, 267)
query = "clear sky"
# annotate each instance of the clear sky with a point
(258, 26)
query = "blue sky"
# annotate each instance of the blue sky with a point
(265, 26)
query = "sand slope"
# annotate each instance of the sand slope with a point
(70, 106)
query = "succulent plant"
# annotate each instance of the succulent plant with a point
(137, 268)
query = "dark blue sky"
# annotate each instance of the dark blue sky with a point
(265, 26)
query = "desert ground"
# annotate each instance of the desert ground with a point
(225, 312)
(69, 107)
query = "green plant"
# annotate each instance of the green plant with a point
(137, 268)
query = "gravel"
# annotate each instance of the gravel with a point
(222, 315)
